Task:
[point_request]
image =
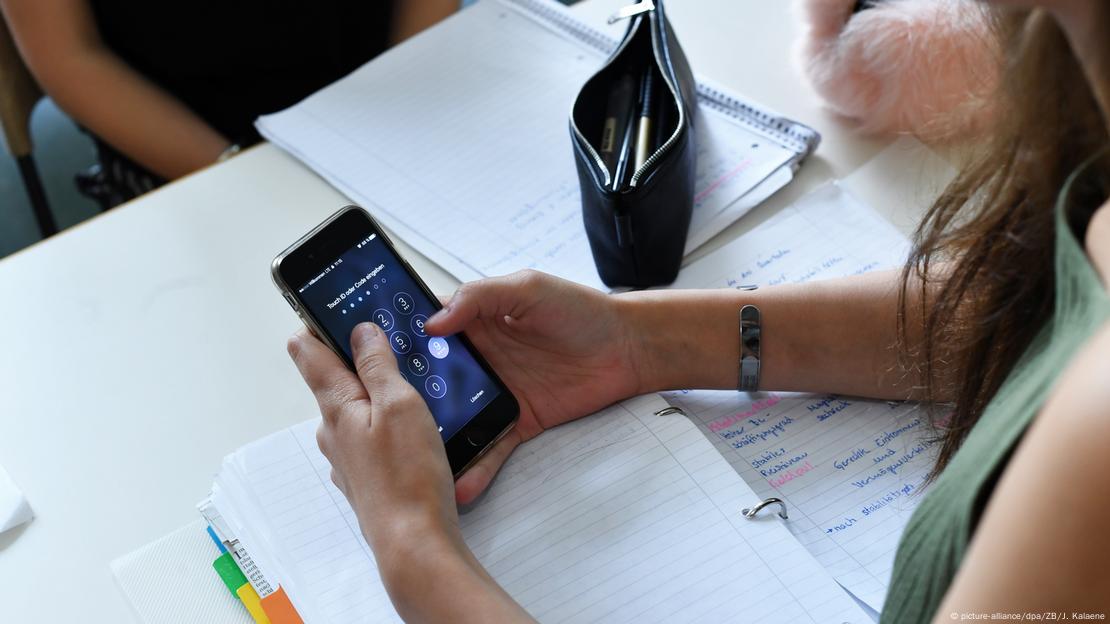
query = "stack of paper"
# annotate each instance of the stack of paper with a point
(623, 516)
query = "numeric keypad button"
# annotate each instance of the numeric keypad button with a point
(418, 364)
(400, 342)
(403, 303)
(383, 318)
(438, 347)
(436, 387)
(417, 323)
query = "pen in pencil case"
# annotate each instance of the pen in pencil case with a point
(617, 113)
(626, 142)
(644, 134)
(265, 592)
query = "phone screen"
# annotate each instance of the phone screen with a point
(368, 282)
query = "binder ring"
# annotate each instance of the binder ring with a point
(750, 514)
(667, 411)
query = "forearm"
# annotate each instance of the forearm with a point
(836, 336)
(132, 114)
(435, 578)
(409, 18)
(61, 45)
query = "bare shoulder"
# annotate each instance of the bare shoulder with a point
(1098, 242)
(1048, 502)
(1081, 399)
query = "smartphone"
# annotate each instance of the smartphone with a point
(347, 271)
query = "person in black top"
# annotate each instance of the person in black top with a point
(166, 88)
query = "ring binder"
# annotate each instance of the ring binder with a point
(751, 513)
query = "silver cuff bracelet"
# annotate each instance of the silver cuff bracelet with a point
(749, 349)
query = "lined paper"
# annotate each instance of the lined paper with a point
(850, 469)
(622, 516)
(458, 140)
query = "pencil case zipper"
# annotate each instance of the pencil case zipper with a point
(666, 71)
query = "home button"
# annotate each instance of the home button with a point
(476, 439)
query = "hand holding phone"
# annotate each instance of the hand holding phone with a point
(379, 436)
(565, 350)
(345, 272)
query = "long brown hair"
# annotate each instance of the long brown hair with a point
(983, 256)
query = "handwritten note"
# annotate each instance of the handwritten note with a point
(849, 469)
(488, 185)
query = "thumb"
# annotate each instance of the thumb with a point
(478, 477)
(374, 360)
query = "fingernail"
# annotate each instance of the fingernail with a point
(440, 314)
(293, 345)
(366, 332)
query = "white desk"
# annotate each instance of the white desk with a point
(139, 348)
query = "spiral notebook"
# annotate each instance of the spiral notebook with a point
(458, 141)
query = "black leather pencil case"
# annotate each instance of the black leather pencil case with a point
(632, 127)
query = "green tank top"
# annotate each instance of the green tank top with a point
(937, 535)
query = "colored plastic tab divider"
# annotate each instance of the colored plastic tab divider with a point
(250, 600)
(275, 608)
(280, 609)
(229, 573)
(216, 538)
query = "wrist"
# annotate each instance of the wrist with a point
(436, 578)
(685, 339)
(409, 553)
(645, 345)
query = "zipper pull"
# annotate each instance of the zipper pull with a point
(631, 10)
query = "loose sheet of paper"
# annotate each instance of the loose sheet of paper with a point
(622, 516)
(850, 470)
(14, 509)
(458, 140)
